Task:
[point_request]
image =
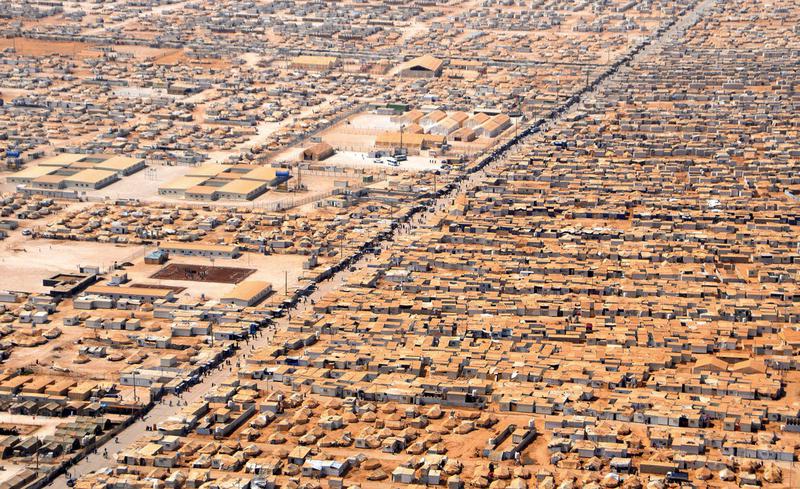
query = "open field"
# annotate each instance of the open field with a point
(36, 47)
(143, 185)
(201, 273)
(414, 163)
(279, 270)
(25, 263)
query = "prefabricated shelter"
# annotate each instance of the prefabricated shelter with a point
(247, 293)
(145, 294)
(241, 189)
(318, 152)
(476, 120)
(209, 170)
(179, 186)
(272, 176)
(28, 175)
(200, 249)
(91, 178)
(156, 257)
(422, 67)
(313, 63)
(121, 165)
(464, 135)
(88, 171)
(445, 127)
(494, 126)
(411, 117)
(202, 192)
(410, 142)
(432, 118)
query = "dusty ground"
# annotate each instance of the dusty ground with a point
(270, 268)
(18, 428)
(143, 185)
(199, 273)
(354, 139)
(25, 262)
(415, 163)
(40, 426)
(45, 426)
(9, 94)
(9, 470)
(35, 47)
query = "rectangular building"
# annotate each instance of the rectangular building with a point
(200, 249)
(248, 293)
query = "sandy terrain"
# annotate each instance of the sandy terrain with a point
(9, 470)
(46, 427)
(270, 268)
(43, 258)
(9, 94)
(143, 185)
(35, 47)
(415, 162)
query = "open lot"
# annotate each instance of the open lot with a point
(25, 263)
(202, 273)
(354, 142)
(279, 270)
(9, 470)
(38, 426)
(415, 163)
(36, 47)
(143, 186)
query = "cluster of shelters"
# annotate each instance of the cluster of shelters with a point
(245, 430)
(623, 284)
(73, 78)
(19, 206)
(613, 303)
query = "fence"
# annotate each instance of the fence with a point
(293, 202)
(333, 173)
(332, 122)
(297, 202)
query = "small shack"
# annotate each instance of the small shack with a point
(318, 152)
(422, 67)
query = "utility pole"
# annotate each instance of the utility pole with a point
(558, 88)
(402, 127)
(135, 397)
(286, 282)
